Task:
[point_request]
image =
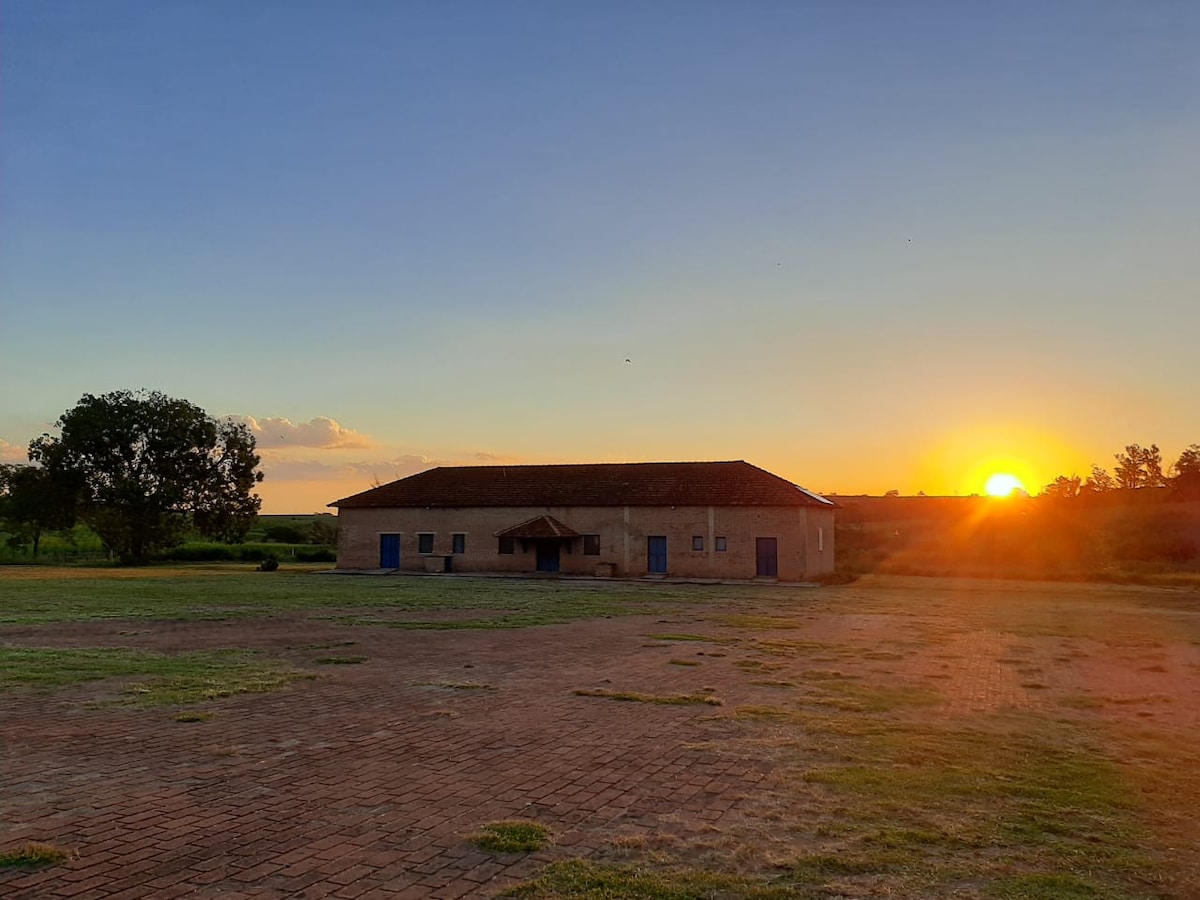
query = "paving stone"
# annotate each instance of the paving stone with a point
(365, 782)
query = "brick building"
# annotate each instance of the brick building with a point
(690, 519)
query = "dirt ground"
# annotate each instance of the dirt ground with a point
(367, 780)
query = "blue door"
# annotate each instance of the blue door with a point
(656, 554)
(767, 553)
(389, 551)
(547, 556)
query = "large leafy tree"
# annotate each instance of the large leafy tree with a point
(146, 469)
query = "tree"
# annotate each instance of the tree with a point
(1140, 467)
(1185, 480)
(1100, 482)
(145, 469)
(284, 534)
(1189, 461)
(1062, 487)
(323, 530)
(32, 503)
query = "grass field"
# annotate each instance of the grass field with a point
(927, 737)
(37, 595)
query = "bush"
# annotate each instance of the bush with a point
(285, 534)
(316, 554)
(205, 552)
(201, 553)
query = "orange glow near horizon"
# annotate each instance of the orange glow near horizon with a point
(1003, 484)
(961, 461)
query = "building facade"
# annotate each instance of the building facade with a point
(720, 520)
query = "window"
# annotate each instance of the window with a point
(697, 542)
(425, 542)
(458, 543)
(721, 544)
(820, 540)
(591, 545)
(506, 547)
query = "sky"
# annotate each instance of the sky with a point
(868, 246)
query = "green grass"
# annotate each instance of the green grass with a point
(162, 679)
(34, 853)
(1037, 794)
(40, 595)
(586, 880)
(340, 660)
(511, 836)
(1051, 887)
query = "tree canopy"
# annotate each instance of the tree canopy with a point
(145, 469)
(1137, 467)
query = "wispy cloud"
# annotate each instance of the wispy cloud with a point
(321, 432)
(382, 470)
(485, 457)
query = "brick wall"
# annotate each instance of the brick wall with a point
(804, 536)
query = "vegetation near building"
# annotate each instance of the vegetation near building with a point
(143, 470)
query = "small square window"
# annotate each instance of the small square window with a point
(697, 542)
(591, 545)
(425, 542)
(720, 544)
(458, 543)
(507, 547)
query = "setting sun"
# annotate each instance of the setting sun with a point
(1002, 485)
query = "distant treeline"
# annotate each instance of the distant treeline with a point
(1115, 534)
(295, 538)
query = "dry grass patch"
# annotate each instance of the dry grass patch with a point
(193, 716)
(34, 853)
(712, 639)
(757, 622)
(511, 836)
(457, 685)
(163, 678)
(637, 697)
(597, 881)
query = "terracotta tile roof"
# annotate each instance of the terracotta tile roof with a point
(539, 527)
(594, 484)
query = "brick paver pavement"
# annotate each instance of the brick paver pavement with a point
(365, 782)
(368, 780)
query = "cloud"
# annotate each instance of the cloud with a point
(484, 457)
(12, 453)
(321, 433)
(382, 470)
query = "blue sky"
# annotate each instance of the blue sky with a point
(865, 245)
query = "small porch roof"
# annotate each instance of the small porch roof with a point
(539, 527)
